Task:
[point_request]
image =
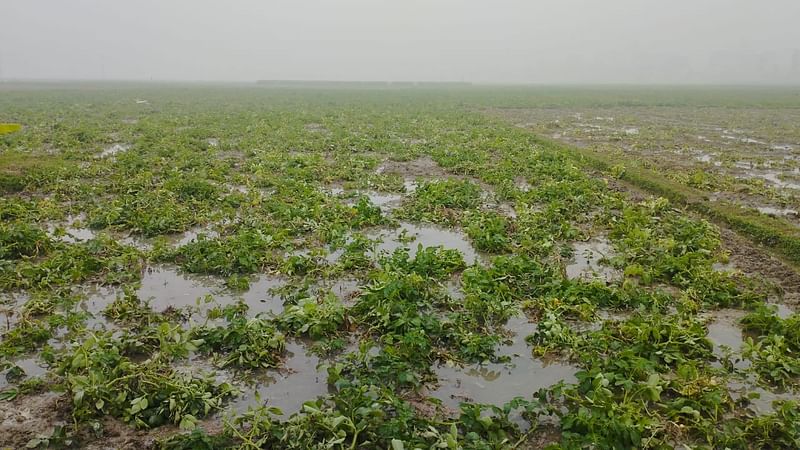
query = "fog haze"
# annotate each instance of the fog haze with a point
(502, 41)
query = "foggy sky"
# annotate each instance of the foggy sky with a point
(499, 41)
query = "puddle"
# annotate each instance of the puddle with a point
(724, 331)
(602, 316)
(724, 267)
(453, 287)
(774, 178)
(167, 287)
(428, 236)
(175, 239)
(113, 150)
(10, 304)
(763, 404)
(735, 135)
(708, 158)
(72, 233)
(78, 235)
(781, 310)
(298, 381)
(610, 315)
(191, 235)
(586, 263)
(772, 211)
(346, 290)
(385, 201)
(496, 383)
(31, 366)
(259, 298)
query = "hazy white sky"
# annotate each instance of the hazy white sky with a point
(529, 41)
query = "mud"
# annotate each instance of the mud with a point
(31, 416)
(752, 260)
(424, 167)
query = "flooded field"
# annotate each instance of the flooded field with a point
(388, 268)
(745, 154)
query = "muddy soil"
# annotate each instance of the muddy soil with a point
(35, 416)
(424, 167)
(27, 417)
(751, 259)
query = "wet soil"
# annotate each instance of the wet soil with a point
(27, 417)
(751, 259)
(424, 167)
